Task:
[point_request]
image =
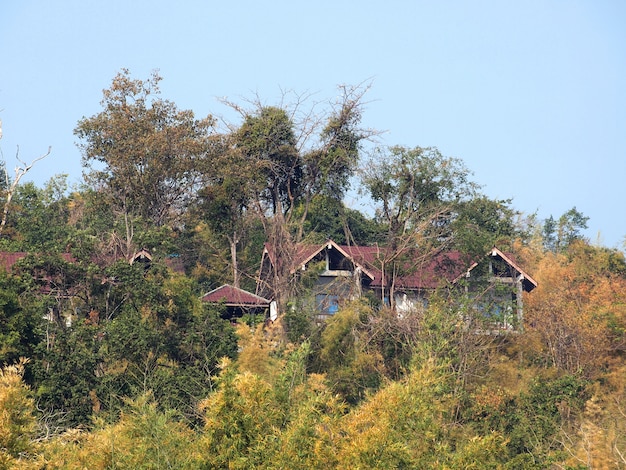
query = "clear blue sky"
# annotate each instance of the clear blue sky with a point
(530, 95)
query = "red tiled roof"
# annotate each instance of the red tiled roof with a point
(8, 260)
(234, 297)
(444, 267)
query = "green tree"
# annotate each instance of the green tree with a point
(145, 155)
(559, 234)
(38, 219)
(354, 366)
(224, 206)
(9, 187)
(418, 192)
(268, 139)
(408, 424)
(144, 437)
(65, 376)
(284, 171)
(19, 327)
(329, 218)
(481, 223)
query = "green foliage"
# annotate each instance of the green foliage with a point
(407, 425)
(418, 193)
(267, 137)
(129, 369)
(19, 327)
(239, 421)
(412, 184)
(298, 322)
(328, 218)
(171, 351)
(353, 369)
(144, 152)
(38, 220)
(559, 234)
(143, 438)
(482, 223)
(66, 374)
(536, 421)
(146, 438)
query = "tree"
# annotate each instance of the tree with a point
(143, 154)
(329, 218)
(38, 221)
(578, 312)
(9, 188)
(268, 139)
(408, 424)
(19, 327)
(17, 417)
(224, 206)
(274, 163)
(144, 437)
(482, 223)
(559, 234)
(418, 191)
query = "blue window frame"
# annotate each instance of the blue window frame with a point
(327, 304)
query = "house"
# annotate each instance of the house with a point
(57, 282)
(144, 257)
(239, 302)
(496, 282)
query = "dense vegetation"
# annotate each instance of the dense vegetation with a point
(112, 364)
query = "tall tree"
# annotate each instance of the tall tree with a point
(8, 187)
(559, 234)
(481, 222)
(268, 139)
(418, 192)
(278, 160)
(143, 153)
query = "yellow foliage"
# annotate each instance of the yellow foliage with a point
(143, 438)
(601, 438)
(257, 348)
(17, 421)
(406, 425)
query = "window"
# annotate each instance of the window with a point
(327, 304)
(497, 308)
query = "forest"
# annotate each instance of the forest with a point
(109, 364)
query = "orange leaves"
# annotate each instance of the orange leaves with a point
(579, 309)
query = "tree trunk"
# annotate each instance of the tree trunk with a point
(233, 256)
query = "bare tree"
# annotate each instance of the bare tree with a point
(20, 171)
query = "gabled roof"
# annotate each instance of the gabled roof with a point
(8, 259)
(442, 268)
(234, 297)
(307, 252)
(142, 255)
(438, 269)
(529, 282)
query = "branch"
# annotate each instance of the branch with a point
(19, 173)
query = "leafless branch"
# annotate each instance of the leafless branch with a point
(20, 171)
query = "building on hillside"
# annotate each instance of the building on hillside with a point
(144, 257)
(239, 302)
(60, 283)
(496, 281)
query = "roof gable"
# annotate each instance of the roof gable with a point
(234, 297)
(440, 269)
